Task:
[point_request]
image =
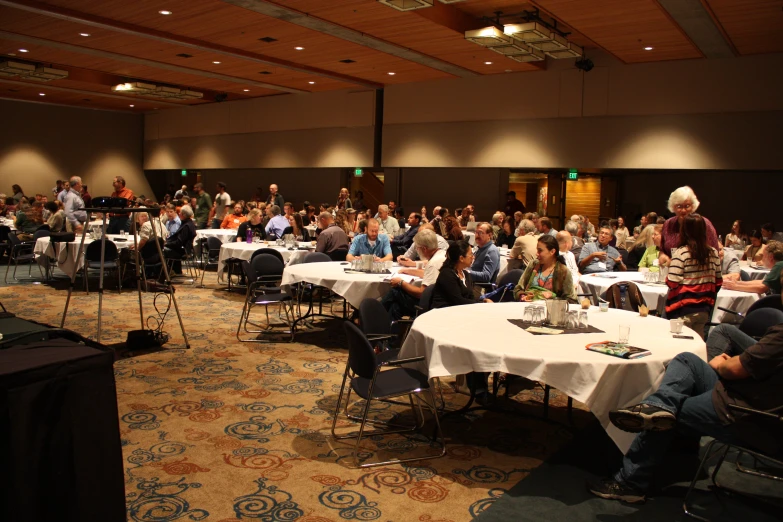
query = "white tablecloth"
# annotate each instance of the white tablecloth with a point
(461, 339)
(753, 273)
(224, 235)
(44, 249)
(243, 250)
(655, 294)
(353, 287)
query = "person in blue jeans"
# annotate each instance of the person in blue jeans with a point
(693, 399)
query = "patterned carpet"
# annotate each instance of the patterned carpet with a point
(229, 431)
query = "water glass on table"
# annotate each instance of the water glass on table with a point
(583, 319)
(676, 325)
(527, 314)
(625, 334)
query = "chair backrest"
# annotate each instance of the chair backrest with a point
(13, 239)
(375, 319)
(757, 322)
(93, 252)
(317, 257)
(512, 276)
(769, 301)
(267, 268)
(425, 301)
(213, 247)
(268, 251)
(625, 296)
(361, 356)
(41, 232)
(4, 232)
(250, 274)
(338, 255)
(45, 226)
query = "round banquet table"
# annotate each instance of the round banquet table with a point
(353, 287)
(479, 338)
(243, 250)
(44, 251)
(225, 235)
(655, 294)
(753, 273)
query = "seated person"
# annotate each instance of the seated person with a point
(181, 241)
(173, 221)
(598, 256)
(452, 230)
(403, 297)
(412, 255)
(454, 286)
(232, 221)
(547, 278)
(297, 228)
(755, 250)
(144, 226)
(403, 241)
(769, 234)
(277, 223)
(729, 264)
(56, 219)
(524, 249)
(253, 223)
(371, 243)
(693, 398)
(332, 237)
(389, 224)
(505, 236)
(486, 262)
(649, 260)
(564, 241)
(27, 222)
(772, 259)
(728, 339)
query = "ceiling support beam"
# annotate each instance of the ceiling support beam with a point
(699, 26)
(292, 16)
(142, 61)
(70, 15)
(94, 94)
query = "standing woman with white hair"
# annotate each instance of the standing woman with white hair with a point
(682, 202)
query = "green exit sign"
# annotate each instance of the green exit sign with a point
(358, 173)
(573, 175)
(184, 173)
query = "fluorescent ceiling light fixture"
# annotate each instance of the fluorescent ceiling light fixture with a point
(512, 49)
(164, 12)
(488, 36)
(45, 74)
(135, 88)
(16, 68)
(554, 43)
(534, 56)
(406, 5)
(528, 32)
(571, 51)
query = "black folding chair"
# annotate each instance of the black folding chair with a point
(23, 251)
(263, 278)
(92, 260)
(212, 256)
(365, 376)
(271, 252)
(764, 444)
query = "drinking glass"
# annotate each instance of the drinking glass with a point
(625, 333)
(573, 320)
(527, 314)
(675, 325)
(122, 233)
(583, 320)
(603, 306)
(540, 315)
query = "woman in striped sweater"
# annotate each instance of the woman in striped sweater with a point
(694, 276)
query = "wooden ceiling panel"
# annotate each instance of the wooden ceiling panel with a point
(220, 23)
(408, 29)
(625, 27)
(754, 26)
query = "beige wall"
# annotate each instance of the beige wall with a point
(42, 143)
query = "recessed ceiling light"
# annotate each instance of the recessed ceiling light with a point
(246, 90)
(648, 48)
(84, 34)
(299, 48)
(41, 94)
(164, 12)
(311, 83)
(132, 106)
(216, 63)
(487, 63)
(392, 74)
(23, 51)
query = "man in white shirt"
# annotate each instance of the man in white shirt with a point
(565, 242)
(73, 205)
(404, 296)
(389, 225)
(222, 200)
(412, 255)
